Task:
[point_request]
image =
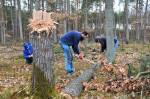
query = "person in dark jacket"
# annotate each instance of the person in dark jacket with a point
(28, 52)
(71, 39)
(102, 41)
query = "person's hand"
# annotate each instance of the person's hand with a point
(31, 55)
(80, 56)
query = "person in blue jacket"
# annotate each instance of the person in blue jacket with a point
(71, 39)
(102, 41)
(28, 52)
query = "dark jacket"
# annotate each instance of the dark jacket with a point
(72, 38)
(103, 43)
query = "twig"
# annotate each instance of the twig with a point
(141, 73)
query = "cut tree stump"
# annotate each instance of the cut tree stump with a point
(75, 87)
(42, 30)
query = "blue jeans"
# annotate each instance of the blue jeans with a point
(68, 57)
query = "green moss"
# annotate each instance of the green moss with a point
(132, 71)
(145, 63)
(19, 57)
(43, 89)
(6, 94)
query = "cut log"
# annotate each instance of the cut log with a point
(75, 87)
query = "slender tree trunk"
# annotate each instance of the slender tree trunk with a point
(43, 5)
(76, 19)
(16, 21)
(48, 6)
(126, 20)
(20, 20)
(109, 29)
(68, 11)
(30, 6)
(141, 19)
(145, 20)
(137, 20)
(38, 4)
(12, 18)
(2, 22)
(65, 11)
(86, 16)
(99, 18)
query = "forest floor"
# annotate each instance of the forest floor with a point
(15, 75)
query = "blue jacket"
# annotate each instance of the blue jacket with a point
(116, 42)
(72, 38)
(27, 49)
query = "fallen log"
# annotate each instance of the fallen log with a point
(75, 87)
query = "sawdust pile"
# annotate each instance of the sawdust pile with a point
(42, 21)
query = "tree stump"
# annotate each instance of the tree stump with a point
(43, 76)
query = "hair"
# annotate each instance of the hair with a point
(85, 33)
(97, 39)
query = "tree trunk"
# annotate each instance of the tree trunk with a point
(38, 4)
(16, 29)
(76, 19)
(65, 11)
(68, 11)
(43, 5)
(109, 29)
(48, 6)
(126, 20)
(43, 75)
(86, 16)
(12, 18)
(145, 21)
(141, 19)
(2, 23)
(100, 19)
(139, 6)
(30, 6)
(20, 20)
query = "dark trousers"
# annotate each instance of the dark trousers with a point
(29, 60)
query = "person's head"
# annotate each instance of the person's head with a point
(27, 44)
(84, 35)
(97, 38)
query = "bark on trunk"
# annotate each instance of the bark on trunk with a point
(38, 4)
(2, 23)
(16, 33)
(43, 75)
(139, 8)
(86, 16)
(126, 20)
(12, 18)
(109, 29)
(20, 20)
(145, 21)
